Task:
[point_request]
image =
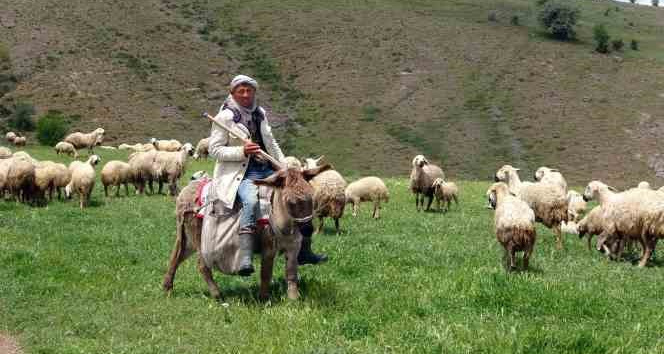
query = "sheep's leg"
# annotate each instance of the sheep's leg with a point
(429, 203)
(456, 201)
(127, 188)
(355, 207)
(526, 257)
(151, 187)
(438, 204)
(417, 201)
(291, 273)
(117, 191)
(106, 191)
(512, 258)
(59, 192)
(161, 187)
(336, 225)
(559, 236)
(647, 251)
(376, 212)
(321, 221)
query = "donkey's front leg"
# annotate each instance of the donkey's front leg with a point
(267, 264)
(291, 271)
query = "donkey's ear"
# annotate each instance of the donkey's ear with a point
(313, 172)
(275, 180)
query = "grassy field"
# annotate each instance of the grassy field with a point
(89, 281)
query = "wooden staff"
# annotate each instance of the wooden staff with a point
(238, 134)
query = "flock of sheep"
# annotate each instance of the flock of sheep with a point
(635, 215)
(30, 180)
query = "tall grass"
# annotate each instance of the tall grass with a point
(89, 281)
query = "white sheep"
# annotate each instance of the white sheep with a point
(64, 147)
(292, 162)
(445, 191)
(514, 224)
(576, 206)
(82, 179)
(201, 151)
(20, 141)
(547, 200)
(591, 224)
(82, 140)
(551, 175)
(636, 214)
(116, 173)
(61, 180)
(44, 179)
(141, 164)
(166, 145)
(19, 177)
(22, 155)
(422, 177)
(644, 185)
(5, 153)
(169, 166)
(138, 147)
(367, 189)
(10, 136)
(329, 194)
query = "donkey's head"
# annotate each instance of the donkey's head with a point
(293, 191)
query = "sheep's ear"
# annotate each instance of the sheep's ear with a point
(554, 170)
(275, 180)
(426, 162)
(613, 189)
(313, 172)
(319, 159)
(517, 169)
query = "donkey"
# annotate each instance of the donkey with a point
(291, 211)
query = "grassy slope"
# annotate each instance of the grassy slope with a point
(75, 282)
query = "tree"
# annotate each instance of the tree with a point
(559, 19)
(21, 118)
(602, 38)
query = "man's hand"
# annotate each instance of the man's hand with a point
(251, 148)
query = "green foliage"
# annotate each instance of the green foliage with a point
(617, 44)
(52, 127)
(370, 113)
(602, 38)
(493, 16)
(634, 44)
(22, 117)
(559, 19)
(515, 20)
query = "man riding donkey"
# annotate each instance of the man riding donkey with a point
(238, 166)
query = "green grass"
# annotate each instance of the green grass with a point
(89, 281)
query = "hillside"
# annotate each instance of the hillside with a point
(369, 84)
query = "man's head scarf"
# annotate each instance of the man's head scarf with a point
(243, 79)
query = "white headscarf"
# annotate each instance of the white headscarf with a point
(243, 79)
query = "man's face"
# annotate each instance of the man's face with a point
(244, 95)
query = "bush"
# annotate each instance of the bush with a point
(21, 118)
(617, 44)
(601, 36)
(634, 44)
(493, 16)
(515, 20)
(655, 3)
(559, 19)
(52, 128)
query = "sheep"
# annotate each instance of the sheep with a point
(329, 194)
(22, 155)
(141, 164)
(591, 224)
(445, 191)
(44, 179)
(636, 214)
(551, 175)
(116, 173)
(421, 180)
(292, 162)
(137, 147)
(547, 200)
(64, 147)
(202, 149)
(82, 179)
(367, 189)
(166, 145)
(20, 141)
(19, 177)
(62, 178)
(514, 224)
(576, 206)
(5, 153)
(644, 185)
(170, 166)
(10, 136)
(89, 140)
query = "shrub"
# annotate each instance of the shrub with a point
(617, 44)
(21, 118)
(52, 128)
(634, 44)
(601, 36)
(493, 16)
(655, 3)
(559, 19)
(515, 20)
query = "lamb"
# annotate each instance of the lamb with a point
(576, 206)
(5, 153)
(10, 136)
(551, 175)
(329, 194)
(82, 179)
(202, 149)
(170, 166)
(166, 145)
(636, 214)
(591, 224)
(142, 170)
(445, 191)
(422, 177)
(514, 224)
(116, 173)
(367, 189)
(20, 141)
(64, 147)
(90, 140)
(547, 200)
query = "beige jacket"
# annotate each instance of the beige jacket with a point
(229, 153)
